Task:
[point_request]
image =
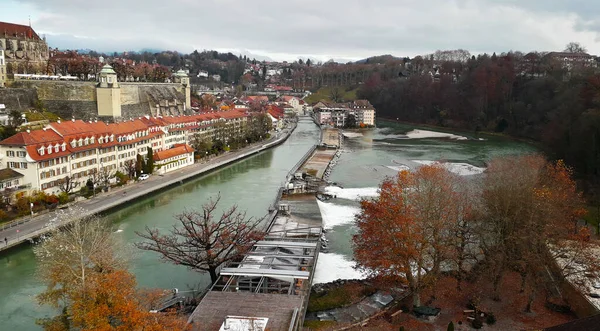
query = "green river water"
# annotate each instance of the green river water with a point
(252, 184)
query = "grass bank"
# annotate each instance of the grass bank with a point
(324, 93)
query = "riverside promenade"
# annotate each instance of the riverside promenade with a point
(20, 231)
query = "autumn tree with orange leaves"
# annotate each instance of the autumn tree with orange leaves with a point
(406, 233)
(531, 209)
(84, 269)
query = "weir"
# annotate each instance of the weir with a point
(272, 282)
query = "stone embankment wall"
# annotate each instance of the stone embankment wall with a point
(139, 99)
(18, 98)
(78, 99)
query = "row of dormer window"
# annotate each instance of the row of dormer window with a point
(49, 149)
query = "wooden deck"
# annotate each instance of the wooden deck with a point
(216, 306)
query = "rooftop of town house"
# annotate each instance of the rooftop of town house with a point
(178, 149)
(73, 127)
(288, 98)
(32, 138)
(362, 103)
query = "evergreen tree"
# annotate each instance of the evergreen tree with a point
(150, 161)
(139, 165)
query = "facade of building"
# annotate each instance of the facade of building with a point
(336, 114)
(180, 156)
(23, 47)
(573, 60)
(2, 67)
(77, 149)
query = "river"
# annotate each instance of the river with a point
(368, 157)
(252, 184)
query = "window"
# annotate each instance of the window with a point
(101, 140)
(21, 154)
(56, 148)
(10, 153)
(49, 149)
(80, 142)
(23, 165)
(92, 139)
(73, 143)
(86, 141)
(41, 150)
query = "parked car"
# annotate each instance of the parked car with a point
(143, 177)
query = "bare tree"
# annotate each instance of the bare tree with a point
(68, 184)
(202, 242)
(129, 168)
(336, 94)
(105, 175)
(575, 47)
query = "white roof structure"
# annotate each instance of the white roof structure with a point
(242, 323)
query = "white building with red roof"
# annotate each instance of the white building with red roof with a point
(180, 156)
(78, 149)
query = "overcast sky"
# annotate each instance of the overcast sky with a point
(320, 29)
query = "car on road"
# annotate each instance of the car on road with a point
(143, 177)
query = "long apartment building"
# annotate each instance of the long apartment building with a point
(77, 149)
(336, 114)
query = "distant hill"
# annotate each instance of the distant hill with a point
(379, 59)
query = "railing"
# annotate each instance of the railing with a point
(14, 223)
(293, 322)
(276, 200)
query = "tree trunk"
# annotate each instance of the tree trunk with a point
(213, 274)
(416, 298)
(530, 301)
(497, 279)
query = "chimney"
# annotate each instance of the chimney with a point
(73, 119)
(28, 131)
(58, 121)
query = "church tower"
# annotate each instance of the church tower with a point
(108, 93)
(182, 78)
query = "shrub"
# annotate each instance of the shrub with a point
(63, 198)
(450, 326)
(123, 178)
(38, 196)
(490, 319)
(477, 323)
(22, 205)
(51, 199)
(85, 191)
(3, 215)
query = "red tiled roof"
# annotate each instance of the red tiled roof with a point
(19, 30)
(32, 138)
(69, 128)
(178, 149)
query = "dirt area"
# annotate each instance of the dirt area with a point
(509, 311)
(318, 162)
(331, 137)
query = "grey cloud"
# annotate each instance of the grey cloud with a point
(341, 28)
